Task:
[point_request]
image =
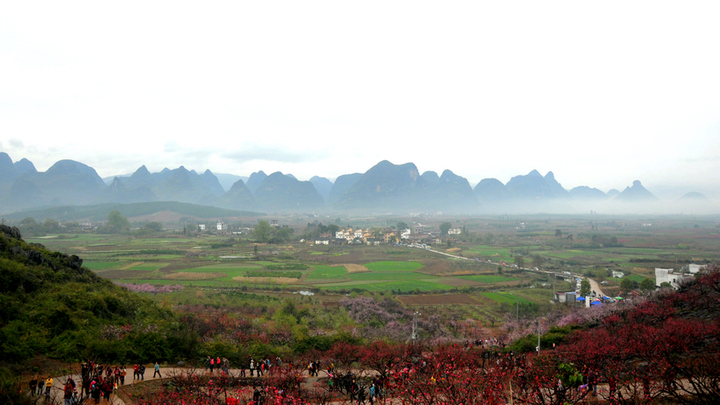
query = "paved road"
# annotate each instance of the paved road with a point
(595, 286)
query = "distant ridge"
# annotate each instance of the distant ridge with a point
(238, 197)
(255, 180)
(695, 196)
(279, 192)
(322, 185)
(385, 187)
(636, 193)
(587, 193)
(341, 185)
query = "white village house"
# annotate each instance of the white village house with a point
(674, 278)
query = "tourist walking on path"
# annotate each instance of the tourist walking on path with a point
(157, 370)
(68, 392)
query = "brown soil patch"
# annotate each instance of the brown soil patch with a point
(129, 265)
(454, 250)
(266, 280)
(353, 268)
(435, 267)
(506, 283)
(185, 275)
(438, 299)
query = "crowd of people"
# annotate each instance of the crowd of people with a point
(100, 381)
(96, 381)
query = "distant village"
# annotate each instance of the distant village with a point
(418, 234)
(377, 236)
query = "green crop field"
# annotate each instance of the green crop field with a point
(635, 277)
(100, 265)
(405, 276)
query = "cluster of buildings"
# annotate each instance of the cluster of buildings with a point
(372, 236)
(363, 236)
(221, 226)
(675, 278)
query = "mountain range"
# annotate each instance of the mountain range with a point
(385, 187)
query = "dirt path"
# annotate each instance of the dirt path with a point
(56, 394)
(165, 372)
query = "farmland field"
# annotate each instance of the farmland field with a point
(218, 261)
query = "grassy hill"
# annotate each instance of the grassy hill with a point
(51, 306)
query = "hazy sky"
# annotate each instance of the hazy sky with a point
(601, 93)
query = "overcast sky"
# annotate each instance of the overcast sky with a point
(600, 93)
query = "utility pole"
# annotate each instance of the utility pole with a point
(538, 346)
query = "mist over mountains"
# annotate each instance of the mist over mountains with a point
(385, 188)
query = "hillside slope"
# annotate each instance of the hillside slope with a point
(52, 306)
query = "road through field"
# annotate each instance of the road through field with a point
(595, 286)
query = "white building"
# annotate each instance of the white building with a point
(670, 276)
(201, 227)
(695, 268)
(405, 234)
(221, 226)
(618, 274)
(454, 231)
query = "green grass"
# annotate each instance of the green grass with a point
(635, 277)
(392, 266)
(387, 276)
(327, 272)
